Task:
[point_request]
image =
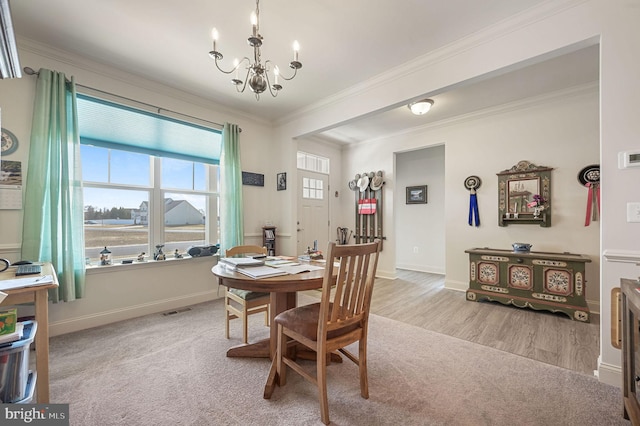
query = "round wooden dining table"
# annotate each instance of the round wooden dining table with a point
(283, 291)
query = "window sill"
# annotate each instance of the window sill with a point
(120, 267)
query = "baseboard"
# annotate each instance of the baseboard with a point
(421, 268)
(389, 275)
(456, 285)
(109, 317)
(609, 374)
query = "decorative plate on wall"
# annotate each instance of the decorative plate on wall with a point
(9, 142)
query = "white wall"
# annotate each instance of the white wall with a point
(559, 132)
(119, 292)
(420, 228)
(550, 29)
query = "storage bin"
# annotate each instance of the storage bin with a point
(30, 389)
(14, 365)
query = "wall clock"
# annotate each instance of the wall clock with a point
(9, 142)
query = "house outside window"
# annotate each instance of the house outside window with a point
(139, 196)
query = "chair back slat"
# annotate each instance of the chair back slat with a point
(349, 299)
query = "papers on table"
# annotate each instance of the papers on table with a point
(235, 262)
(261, 271)
(25, 282)
(272, 267)
(298, 269)
(280, 262)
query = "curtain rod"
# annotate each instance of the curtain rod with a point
(31, 71)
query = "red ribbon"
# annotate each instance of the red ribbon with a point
(592, 197)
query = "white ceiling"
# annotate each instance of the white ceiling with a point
(342, 44)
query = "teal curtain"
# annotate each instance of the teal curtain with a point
(231, 214)
(53, 212)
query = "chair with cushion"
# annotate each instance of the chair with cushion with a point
(341, 318)
(242, 303)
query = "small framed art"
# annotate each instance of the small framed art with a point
(417, 194)
(282, 181)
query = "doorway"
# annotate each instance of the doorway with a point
(313, 210)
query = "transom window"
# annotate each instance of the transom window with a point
(312, 163)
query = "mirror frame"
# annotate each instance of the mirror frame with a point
(521, 174)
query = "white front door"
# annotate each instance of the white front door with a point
(313, 210)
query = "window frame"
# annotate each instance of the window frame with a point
(156, 193)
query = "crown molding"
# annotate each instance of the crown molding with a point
(499, 30)
(130, 79)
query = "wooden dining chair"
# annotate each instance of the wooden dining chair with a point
(341, 318)
(242, 303)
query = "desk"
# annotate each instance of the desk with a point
(39, 296)
(283, 291)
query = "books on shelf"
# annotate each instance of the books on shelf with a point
(261, 271)
(269, 234)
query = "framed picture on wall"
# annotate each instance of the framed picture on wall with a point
(417, 194)
(282, 181)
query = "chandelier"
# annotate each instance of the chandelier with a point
(257, 76)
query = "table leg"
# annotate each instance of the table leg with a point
(266, 348)
(42, 345)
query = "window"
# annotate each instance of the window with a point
(150, 182)
(312, 188)
(313, 163)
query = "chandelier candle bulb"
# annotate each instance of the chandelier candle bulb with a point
(214, 36)
(254, 23)
(276, 72)
(296, 49)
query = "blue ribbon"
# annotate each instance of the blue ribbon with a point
(473, 209)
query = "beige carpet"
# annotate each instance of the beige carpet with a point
(172, 370)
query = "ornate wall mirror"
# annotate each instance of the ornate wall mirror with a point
(524, 195)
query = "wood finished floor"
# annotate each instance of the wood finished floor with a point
(420, 299)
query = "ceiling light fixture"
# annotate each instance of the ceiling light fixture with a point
(421, 107)
(257, 74)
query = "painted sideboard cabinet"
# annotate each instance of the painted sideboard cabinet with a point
(553, 282)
